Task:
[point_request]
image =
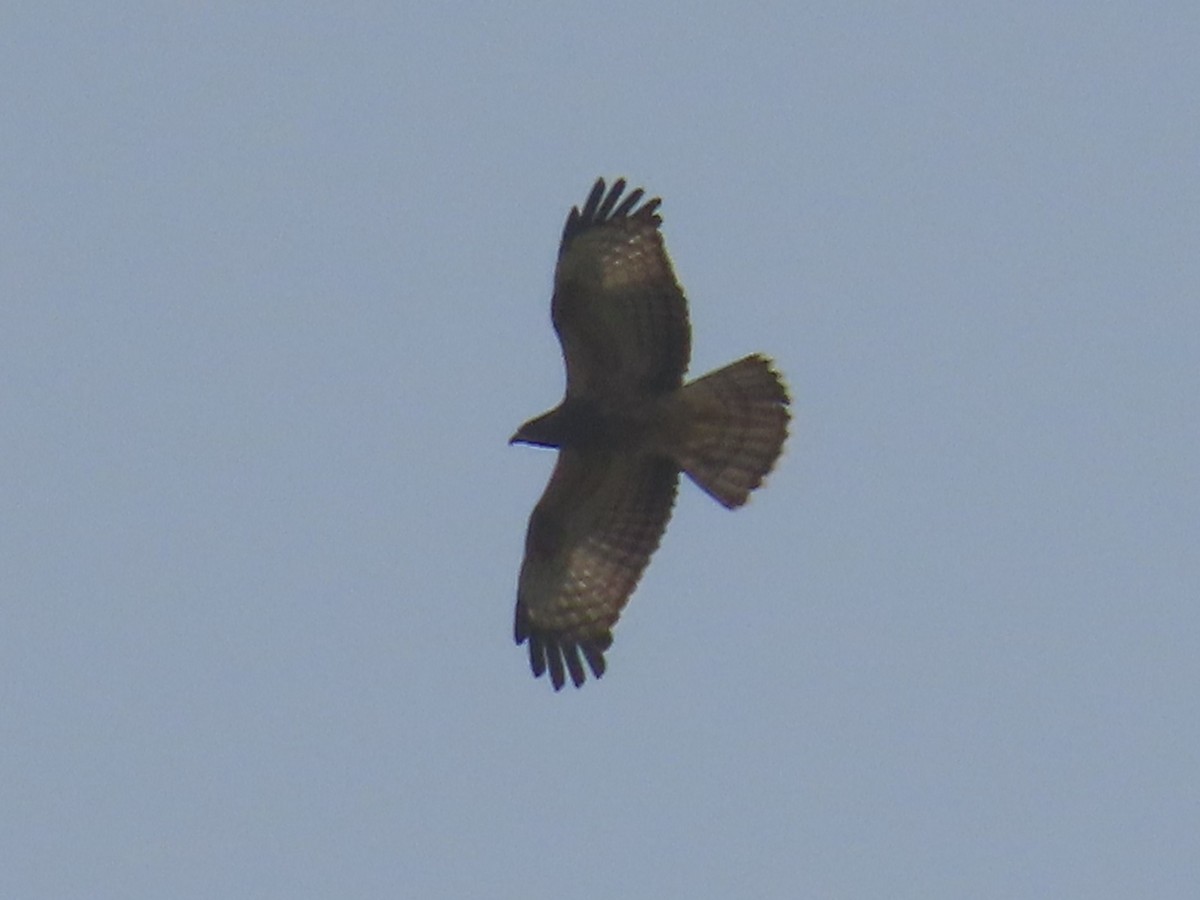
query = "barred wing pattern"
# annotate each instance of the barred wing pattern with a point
(619, 312)
(589, 540)
(626, 428)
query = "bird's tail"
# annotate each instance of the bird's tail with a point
(735, 423)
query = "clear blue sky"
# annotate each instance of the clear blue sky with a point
(274, 292)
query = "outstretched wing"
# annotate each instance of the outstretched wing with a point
(619, 312)
(590, 537)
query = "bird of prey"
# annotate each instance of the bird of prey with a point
(626, 428)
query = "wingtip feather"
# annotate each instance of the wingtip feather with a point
(562, 657)
(604, 204)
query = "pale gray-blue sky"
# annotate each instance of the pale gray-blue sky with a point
(274, 291)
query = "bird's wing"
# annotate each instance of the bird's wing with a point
(590, 537)
(619, 312)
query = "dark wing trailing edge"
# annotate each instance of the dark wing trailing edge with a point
(619, 312)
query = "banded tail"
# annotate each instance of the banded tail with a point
(736, 423)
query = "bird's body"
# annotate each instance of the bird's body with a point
(626, 428)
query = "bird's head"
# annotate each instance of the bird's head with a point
(544, 431)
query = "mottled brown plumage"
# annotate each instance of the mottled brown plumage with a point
(624, 431)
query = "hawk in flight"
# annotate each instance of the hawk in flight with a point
(626, 428)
